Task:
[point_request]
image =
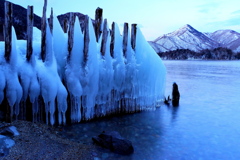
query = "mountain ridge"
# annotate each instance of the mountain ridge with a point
(188, 37)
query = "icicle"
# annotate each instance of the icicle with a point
(92, 74)
(74, 73)
(52, 111)
(62, 102)
(59, 46)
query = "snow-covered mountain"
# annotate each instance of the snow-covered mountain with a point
(227, 38)
(189, 38)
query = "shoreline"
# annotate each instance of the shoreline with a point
(40, 141)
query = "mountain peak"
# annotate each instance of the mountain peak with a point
(187, 26)
(185, 37)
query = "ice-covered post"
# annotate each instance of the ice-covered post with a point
(104, 38)
(8, 30)
(86, 39)
(125, 38)
(30, 18)
(98, 22)
(133, 35)
(112, 39)
(43, 29)
(70, 34)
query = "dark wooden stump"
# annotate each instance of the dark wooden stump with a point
(175, 95)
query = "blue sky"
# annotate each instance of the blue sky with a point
(156, 17)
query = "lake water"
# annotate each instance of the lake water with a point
(206, 125)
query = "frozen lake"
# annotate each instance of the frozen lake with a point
(206, 125)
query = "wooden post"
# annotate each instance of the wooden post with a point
(86, 39)
(51, 21)
(98, 22)
(43, 28)
(65, 25)
(70, 34)
(104, 38)
(112, 40)
(8, 30)
(133, 35)
(30, 19)
(125, 38)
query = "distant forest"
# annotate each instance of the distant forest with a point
(207, 54)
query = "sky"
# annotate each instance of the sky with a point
(154, 17)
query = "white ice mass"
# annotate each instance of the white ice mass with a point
(95, 87)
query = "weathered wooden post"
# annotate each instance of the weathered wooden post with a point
(8, 47)
(70, 34)
(98, 22)
(112, 40)
(51, 21)
(65, 25)
(125, 39)
(104, 37)
(86, 39)
(8, 30)
(30, 19)
(133, 35)
(43, 29)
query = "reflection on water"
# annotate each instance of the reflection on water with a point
(206, 125)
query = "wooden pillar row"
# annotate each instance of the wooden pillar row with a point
(30, 19)
(8, 29)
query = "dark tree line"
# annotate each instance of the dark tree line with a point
(219, 53)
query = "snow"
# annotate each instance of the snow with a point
(99, 86)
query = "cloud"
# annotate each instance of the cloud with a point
(208, 7)
(226, 24)
(237, 12)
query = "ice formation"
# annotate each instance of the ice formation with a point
(88, 87)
